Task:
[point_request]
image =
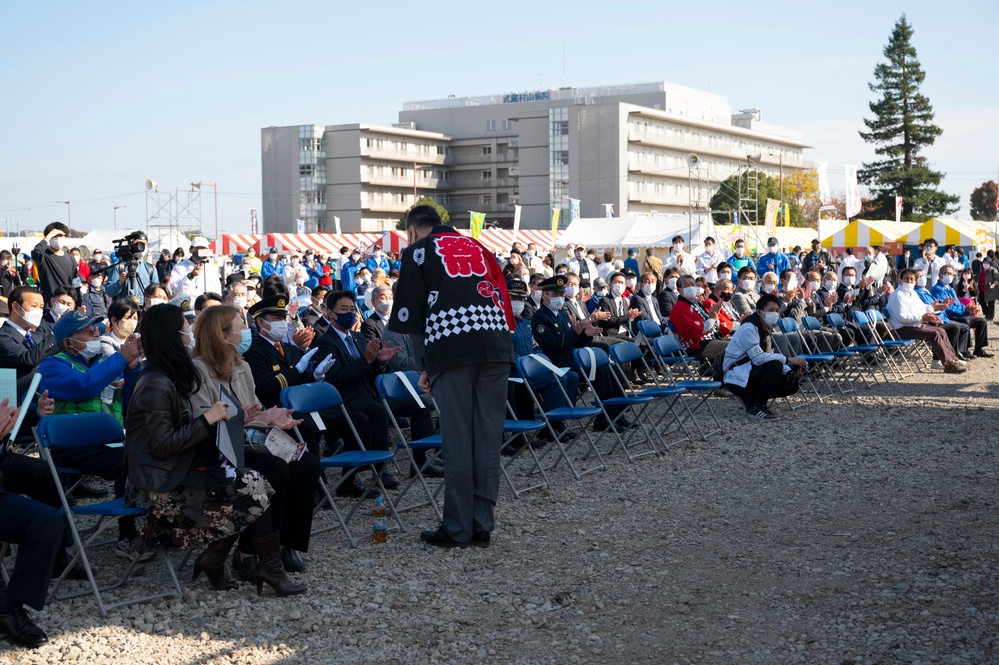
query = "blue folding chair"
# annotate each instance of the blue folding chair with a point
(394, 390)
(90, 430)
(648, 328)
(870, 352)
(309, 400)
(845, 363)
(816, 363)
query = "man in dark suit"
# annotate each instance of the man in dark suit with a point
(645, 301)
(313, 315)
(355, 364)
(22, 345)
(617, 311)
(374, 325)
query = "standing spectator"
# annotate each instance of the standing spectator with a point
(55, 266)
(680, 259)
(349, 266)
(97, 261)
(708, 262)
(116, 279)
(199, 274)
(465, 362)
(774, 260)
(377, 260)
(94, 298)
(272, 266)
(165, 265)
(27, 271)
(632, 261)
(10, 278)
(988, 287)
(817, 259)
(81, 265)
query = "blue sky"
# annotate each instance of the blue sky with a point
(97, 97)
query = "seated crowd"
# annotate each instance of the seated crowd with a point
(157, 346)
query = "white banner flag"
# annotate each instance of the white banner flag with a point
(336, 224)
(609, 209)
(898, 208)
(825, 193)
(301, 225)
(853, 203)
(516, 222)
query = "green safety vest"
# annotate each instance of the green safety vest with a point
(92, 405)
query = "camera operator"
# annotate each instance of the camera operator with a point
(131, 254)
(198, 274)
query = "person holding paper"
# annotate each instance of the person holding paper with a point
(221, 335)
(175, 470)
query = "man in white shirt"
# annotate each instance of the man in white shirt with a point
(584, 268)
(849, 261)
(680, 259)
(913, 319)
(199, 273)
(929, 262)
(707, 262)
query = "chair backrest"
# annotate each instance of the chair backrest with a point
(835, 320)
(860, 318)
(310, 397)
(532, 370)
(393, 390)
(649, 328)
(875, 315)
(811, 323)
(787, 325)
(625, 352)
(665, 345)
(586, 361)
(79, 430)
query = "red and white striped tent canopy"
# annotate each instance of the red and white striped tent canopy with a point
(496, 240)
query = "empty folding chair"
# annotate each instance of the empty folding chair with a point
(90, 430)
(870, 353)
(668, 353)
(817, 363)
(885, 351)
(309, 400)
(846, 361)
(526, 430)
(907, 349)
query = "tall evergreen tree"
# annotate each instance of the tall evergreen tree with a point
(901, 127)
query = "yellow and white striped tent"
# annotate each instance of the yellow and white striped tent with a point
(949, 232)
(867, 232)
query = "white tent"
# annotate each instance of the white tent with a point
(641, 232)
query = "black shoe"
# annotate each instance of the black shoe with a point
(356, 489)
(509, 450)
(389, 481)
(21, 630)
(480, 538)
(433, 471)
(75, 573)
(982, 353)
(967, 357)
(292, 561)
(441, 539)
(757, 413)
(85, 491)
(244, 567)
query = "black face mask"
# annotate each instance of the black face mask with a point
(726, 297)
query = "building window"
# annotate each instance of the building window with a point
(487, 175)
(486, 200)
(507, 124)
(486, 150)
(490, 125)
(441, 150)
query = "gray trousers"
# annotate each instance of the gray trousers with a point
(472, 403)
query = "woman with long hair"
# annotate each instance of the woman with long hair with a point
(221, 336)
(175, 470)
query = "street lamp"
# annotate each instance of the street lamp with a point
(69, 219)
(215, 189)
(116, 208)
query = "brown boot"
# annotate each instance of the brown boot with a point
(270, 569)
(212, 562)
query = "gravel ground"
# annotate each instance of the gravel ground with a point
(862, 530)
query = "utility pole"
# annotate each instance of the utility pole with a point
(69, 219)
(116, 216)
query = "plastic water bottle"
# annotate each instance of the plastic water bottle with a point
(380, 527)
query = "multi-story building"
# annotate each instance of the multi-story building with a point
(644, 149)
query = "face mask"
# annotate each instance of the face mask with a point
(630, 282)
(518, 307)
(239, 302)
(355, 257)
(617, 289)
(814, 285)
(32, 318)
(771, 249)
(986, 266)
(83, 290)
(556, 302)
(294, 262)
(153, 302)
(361, 280)
(571, 291)
(848, 280)
(691, 292)
(769, 288)
(56, 243)
(91, 350)
(125, 328)
(536, 295)
(770, 318)
(97, 258)
(96, 283)
(4, 263)
(792, 282)
(648, 289)
(906, 287)
(530, 253)
(579, 256)
(678, 247)
(272, 258)
(59, 309)
(384, 307)
(671, 283)
(739, 251)
(278, 330)
(946, 279)
(601, 293)
(245, 339)
(300, 280)
(190, 340)
(748, 284)
(830, 284)
(726, 297)
(725, 275)
(345, 319)
(921, 281)
(709, 249)
(868, 258)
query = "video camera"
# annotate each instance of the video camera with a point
(131, 248)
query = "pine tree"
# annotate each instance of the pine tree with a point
(902, 126)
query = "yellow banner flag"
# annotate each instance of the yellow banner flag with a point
(773, 205)
(555, 216)
(787, 214)
(477, 223)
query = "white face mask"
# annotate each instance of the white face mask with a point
(814, 285)
(946, 279)
(556, 302)
(33, 318)
(630, 282)
(748, 284)
(537, 296)
(153, 302)
(97, 258)
(709, 249)
(678, 247)
(190, 340)
(848, 280)
(921, 281)
(906, 287)
(617, 289)
(986, 266)
(770, 318)
(648, 289)
(771, 249)
(59, 309)
(739, 251)
(571, 291)
(96, 283)
(768, 288)
(518, 307)
(830, 284)
(725, 275)
(277, 331)
(601, 293)
(671, 283)
(384, 307)
(239, 302)
(56, 243)
(691, 292)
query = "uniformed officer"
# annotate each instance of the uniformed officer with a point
(557, 335)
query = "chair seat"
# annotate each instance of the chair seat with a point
(665, 391)
(899, 342)
(863, 348)
(521, 426)
(699, 385)
(841, 354)
(108, 508)
(676, 359)
(426, 443)
(627, 401)
(812, 358)
(354, 458)
(571, 413)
